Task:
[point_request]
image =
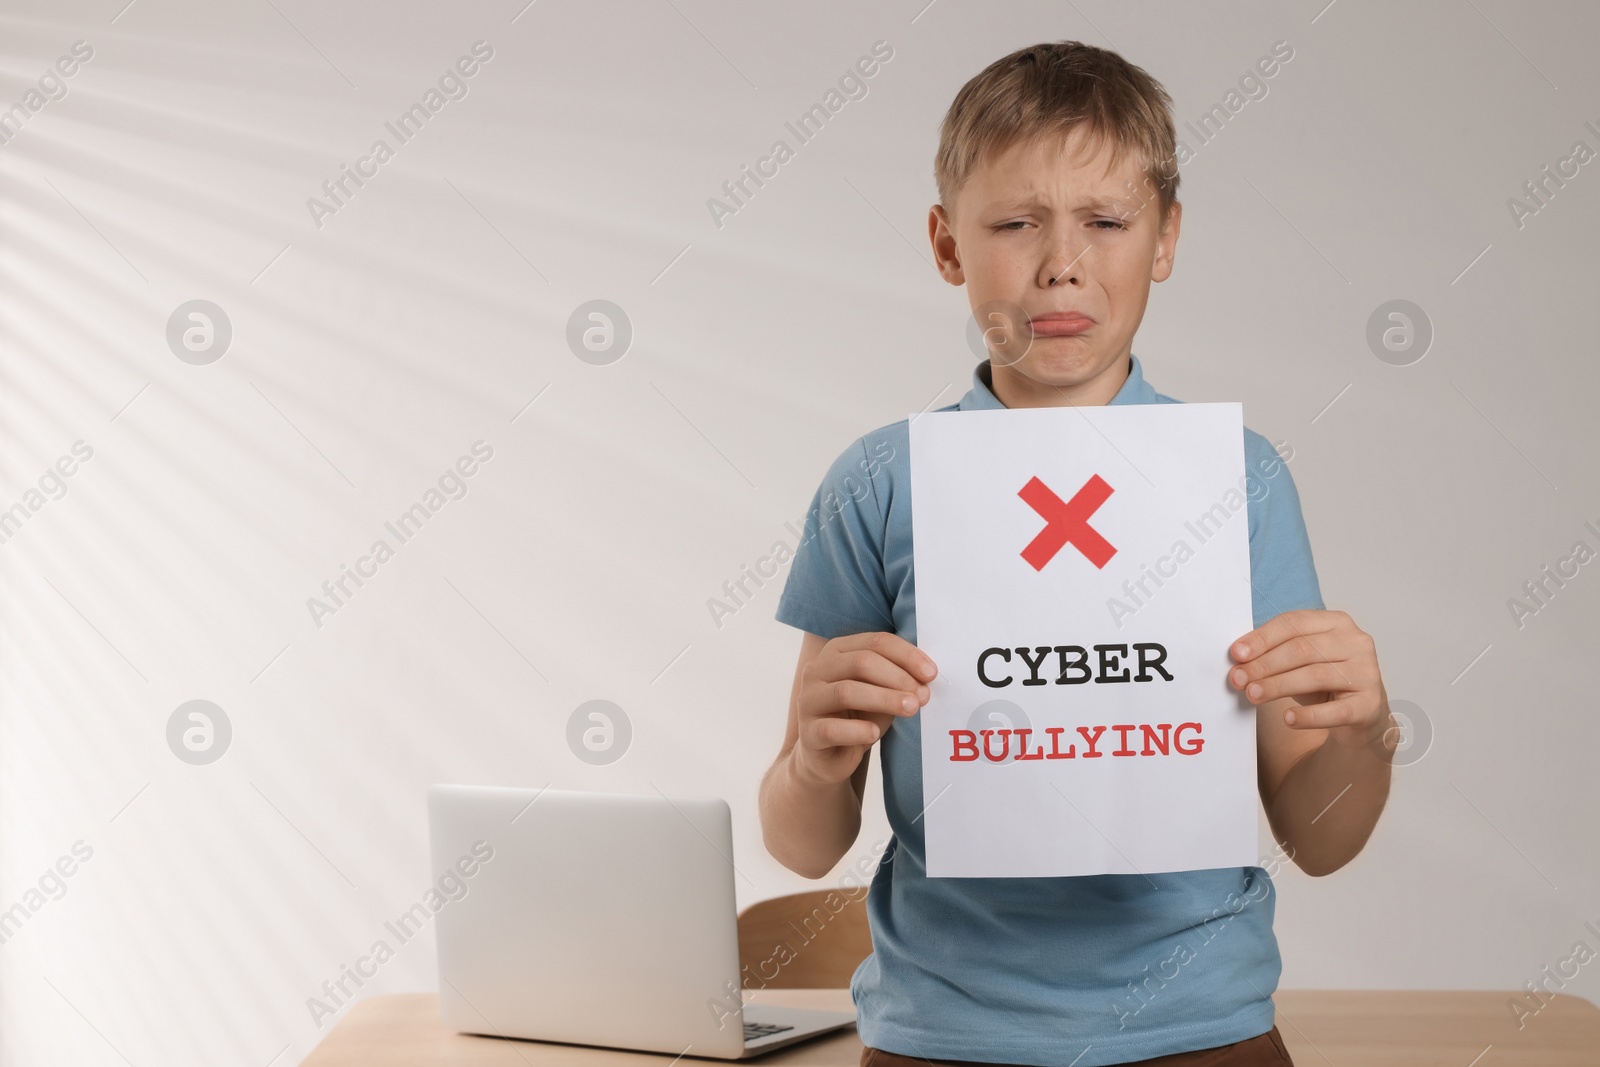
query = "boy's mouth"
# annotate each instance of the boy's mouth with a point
(1060, 324)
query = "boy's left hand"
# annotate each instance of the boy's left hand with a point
(1323, 655)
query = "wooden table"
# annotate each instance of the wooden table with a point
(1322, 1029)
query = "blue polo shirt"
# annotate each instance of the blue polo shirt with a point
(1065, 972)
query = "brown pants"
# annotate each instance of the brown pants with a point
(1263, 1050)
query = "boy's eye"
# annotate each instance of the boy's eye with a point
(1013, 223)
(1115, 224)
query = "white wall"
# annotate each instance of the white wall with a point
(432, 307)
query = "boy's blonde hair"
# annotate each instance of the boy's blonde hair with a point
(1048, 90)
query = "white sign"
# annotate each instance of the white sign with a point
(1081, 573)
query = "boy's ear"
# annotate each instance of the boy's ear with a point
(1167, 244)
(941, 232)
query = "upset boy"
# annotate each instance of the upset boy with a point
(1057, 194)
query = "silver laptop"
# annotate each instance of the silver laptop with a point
(597, 919)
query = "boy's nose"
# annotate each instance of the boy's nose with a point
(1065, 268)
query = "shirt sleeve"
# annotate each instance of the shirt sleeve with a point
(1283, 576)
(836, 584)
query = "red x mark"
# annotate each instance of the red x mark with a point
(1067, 522)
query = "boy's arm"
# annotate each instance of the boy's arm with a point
(808, 825)
(846, 693)
(1325, 738)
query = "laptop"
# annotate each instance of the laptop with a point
(597, 919)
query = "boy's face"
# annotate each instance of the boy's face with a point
(1043, 209)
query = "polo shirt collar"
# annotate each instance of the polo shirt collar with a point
(1134, 391)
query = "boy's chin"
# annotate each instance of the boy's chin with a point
(1061, 361)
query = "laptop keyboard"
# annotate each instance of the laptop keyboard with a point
(752, 1031)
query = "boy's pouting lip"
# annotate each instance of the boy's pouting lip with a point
(1059, 324)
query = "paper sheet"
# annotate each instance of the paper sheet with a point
(1080, 575)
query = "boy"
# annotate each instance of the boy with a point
(1044, 162)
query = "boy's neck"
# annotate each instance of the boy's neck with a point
(1017, 390)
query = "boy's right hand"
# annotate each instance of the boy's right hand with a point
(849, 694)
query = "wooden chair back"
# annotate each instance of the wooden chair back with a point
(812, 940)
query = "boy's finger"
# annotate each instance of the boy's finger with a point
(881, 721)
(894, 648)
(1331, 713)
(850, 695)
(1280, 628)
(1302, 681)
(835, 731)
(1302, 651)
(865, 665)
